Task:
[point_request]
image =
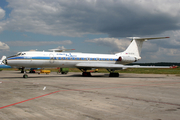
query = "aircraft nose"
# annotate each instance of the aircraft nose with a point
(4, 61)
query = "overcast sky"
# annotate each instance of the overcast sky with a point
(97, 26)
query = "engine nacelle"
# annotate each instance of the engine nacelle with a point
(127, 59)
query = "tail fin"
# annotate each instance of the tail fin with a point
(134, 49)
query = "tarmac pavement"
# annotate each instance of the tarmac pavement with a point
(73, 97)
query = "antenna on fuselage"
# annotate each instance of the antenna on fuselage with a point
(60, 50)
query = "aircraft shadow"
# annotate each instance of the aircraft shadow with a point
(31, 75)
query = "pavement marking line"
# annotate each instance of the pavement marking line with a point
(44, 88)
(93, 89)
(30, 99)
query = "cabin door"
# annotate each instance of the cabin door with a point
(51, 58)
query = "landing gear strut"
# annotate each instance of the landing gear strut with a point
(25, 75)
(113, 73)
(22, 70)
(84, 73)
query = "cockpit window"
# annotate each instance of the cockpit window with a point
(18, 54)
(23, 54)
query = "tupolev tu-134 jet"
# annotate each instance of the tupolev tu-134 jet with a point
(82, 61)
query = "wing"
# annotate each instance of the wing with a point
(114, 66)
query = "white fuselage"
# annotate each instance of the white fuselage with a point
(37, 59)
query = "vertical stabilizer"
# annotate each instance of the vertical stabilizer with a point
(134, 49)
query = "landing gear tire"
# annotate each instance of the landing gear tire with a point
(32, 71)
(86, 74)
(114, 75)
(25, 76)
(64, 72)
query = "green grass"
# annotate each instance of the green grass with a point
(134, 70)
(129, 70)
(152, 71)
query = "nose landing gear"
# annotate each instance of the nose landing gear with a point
(25, 75)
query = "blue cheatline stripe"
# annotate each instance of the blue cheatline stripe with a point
(39, 58)
(16, 58)
(29, 58)
(62, 58)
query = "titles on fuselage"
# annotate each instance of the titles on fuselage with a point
(67, 54)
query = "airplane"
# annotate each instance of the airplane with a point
(82, 61)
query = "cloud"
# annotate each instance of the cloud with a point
(25, 35)
(2, 13)
(38, 43)
(117, 45)
(152, 51)
(162, 55)
(116, 18)
(3, 46)
(172, 42)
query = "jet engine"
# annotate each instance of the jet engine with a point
(127, 59)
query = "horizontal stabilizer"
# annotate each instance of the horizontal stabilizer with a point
(138, 38)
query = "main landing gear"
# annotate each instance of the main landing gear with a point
(88, 74)
(85, 73)
(113, 73)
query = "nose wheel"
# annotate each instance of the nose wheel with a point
(25, 76)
